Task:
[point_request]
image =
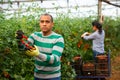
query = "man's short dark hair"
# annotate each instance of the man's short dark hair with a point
(46, 14)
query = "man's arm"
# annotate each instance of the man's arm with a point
(56, 52)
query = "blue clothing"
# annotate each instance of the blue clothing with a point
(95, 53)
(57, 78)
(97, 41)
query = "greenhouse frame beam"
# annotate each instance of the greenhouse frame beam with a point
(59, 7)
(24, 1)
(108, 2)
(100, 10)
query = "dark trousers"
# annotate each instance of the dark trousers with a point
(95, 53)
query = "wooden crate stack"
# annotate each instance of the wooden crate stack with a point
(102, 65)
(88, 69)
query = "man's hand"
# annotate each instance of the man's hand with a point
(85, 34)
(33, 52)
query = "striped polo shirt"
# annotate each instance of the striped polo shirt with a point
(47, 64)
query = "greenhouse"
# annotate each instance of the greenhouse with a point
(49, 39)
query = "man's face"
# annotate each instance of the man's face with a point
(45, 23)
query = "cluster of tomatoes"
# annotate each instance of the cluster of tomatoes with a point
(23, 44)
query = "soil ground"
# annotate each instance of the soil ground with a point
(115, 66)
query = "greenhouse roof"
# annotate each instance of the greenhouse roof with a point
(76, 7)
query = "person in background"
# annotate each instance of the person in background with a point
(97, 38)
(48, 50)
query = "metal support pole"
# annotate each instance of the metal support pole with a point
(68, 7)
(99, 10)
(116, 9)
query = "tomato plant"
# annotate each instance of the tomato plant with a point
(15, 65)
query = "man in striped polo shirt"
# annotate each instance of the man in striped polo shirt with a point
(49, 47)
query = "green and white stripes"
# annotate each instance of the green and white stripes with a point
(50, 48)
